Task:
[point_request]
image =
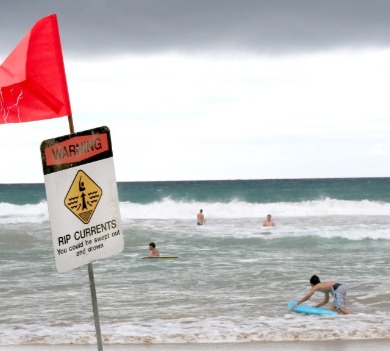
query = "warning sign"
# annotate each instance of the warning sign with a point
(82, 198)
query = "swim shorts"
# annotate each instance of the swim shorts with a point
(339, 292)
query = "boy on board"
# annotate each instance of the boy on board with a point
(337, 290)
(154, 252)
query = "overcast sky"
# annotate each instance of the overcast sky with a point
(212, 89)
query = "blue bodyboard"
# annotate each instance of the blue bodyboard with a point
(307, 309)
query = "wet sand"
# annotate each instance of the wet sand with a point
(334, 345)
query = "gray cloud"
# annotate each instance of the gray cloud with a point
(100, 27)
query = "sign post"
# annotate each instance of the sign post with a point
(83, 202)
(95, 307)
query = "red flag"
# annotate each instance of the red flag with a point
(32, 78)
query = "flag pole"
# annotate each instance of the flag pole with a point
(91, 280)
(71, 126)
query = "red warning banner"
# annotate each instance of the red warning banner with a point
(76, 149)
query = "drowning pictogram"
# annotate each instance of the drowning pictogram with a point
(83, 197)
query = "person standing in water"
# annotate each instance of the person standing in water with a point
(268, 222)
(200, 218)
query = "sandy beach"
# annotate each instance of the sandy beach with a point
(334, 345)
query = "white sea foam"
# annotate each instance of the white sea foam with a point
(169, 209)
(286, 327)
(30, 213)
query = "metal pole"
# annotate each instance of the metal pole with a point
(95, 307)
(91, 280)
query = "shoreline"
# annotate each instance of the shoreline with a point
(323, 345)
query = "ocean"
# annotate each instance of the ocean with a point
(233, 278)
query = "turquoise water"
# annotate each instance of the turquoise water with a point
(233, 278)
(251, 191)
